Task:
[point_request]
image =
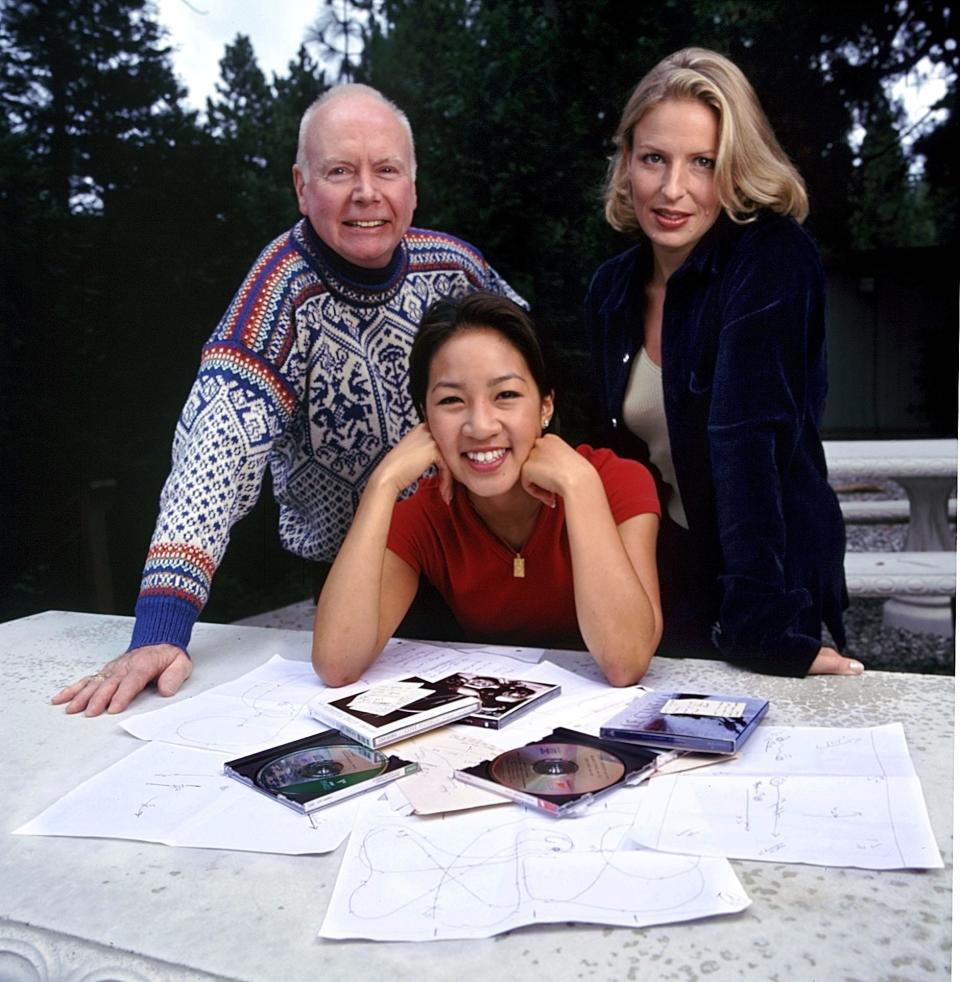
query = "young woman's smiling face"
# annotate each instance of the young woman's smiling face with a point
(484, 410)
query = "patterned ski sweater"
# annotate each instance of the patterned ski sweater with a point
(306, 372)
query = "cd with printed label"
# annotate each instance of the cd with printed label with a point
(557, 769)
(319, 770)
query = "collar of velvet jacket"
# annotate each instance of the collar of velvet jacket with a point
(708, 256)
(630, 271)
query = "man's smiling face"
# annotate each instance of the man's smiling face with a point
(358, 188)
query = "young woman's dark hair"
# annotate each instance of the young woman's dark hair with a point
(445, 318)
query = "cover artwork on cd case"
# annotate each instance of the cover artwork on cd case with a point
(564, 772)
(317, 771)
(393, 711)
(718, 724)
(502, 700)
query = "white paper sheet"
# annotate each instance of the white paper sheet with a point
(179, 796)
(820, 795)
(434, 661)
(513, 652)
(261, 709)
(268, 706)
(481, 873)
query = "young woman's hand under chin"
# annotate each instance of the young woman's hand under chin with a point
(408, 460)
(553, 468)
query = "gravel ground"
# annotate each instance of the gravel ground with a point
(883, 648)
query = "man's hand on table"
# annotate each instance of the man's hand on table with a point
(114, 687)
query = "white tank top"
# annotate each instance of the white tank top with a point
(645, 417)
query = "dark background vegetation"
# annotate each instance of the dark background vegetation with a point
(127, 220)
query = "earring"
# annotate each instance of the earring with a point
(545, 422)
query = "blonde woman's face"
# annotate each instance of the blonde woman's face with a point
(672, 177)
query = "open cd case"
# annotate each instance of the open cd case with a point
(317, 771)
(564, 772)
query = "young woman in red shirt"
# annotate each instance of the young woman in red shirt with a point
(529, 540)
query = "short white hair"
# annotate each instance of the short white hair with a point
(338, 92)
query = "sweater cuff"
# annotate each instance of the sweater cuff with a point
(163, 620)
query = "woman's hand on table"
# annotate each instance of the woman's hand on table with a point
(830, 662)
(114, 686)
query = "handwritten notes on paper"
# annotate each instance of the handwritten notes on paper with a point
(822, 795)
(703, 707)
(383, 699)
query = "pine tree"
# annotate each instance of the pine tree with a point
(890, 205)
(89, 82)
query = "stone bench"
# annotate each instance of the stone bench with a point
(887, 512)
(906, 574)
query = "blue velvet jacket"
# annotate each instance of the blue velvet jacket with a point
(745, 381)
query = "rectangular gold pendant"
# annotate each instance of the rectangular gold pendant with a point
(519, 568)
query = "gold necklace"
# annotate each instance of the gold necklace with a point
(519, 563)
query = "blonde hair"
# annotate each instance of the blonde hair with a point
(751, 170)
(339, 92)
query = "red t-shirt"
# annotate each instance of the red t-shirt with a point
(473, 570)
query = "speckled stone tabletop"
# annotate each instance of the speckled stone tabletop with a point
(82, 909)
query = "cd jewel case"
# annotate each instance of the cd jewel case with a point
(317, 771)
(562, 773)
(671, 720)
(427, 705)
(502, 700)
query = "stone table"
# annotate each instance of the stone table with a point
(84, 909)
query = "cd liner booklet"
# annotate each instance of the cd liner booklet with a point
(502, 700)
(317, 771)
(393, 711)
(717, 724)
(564, 772)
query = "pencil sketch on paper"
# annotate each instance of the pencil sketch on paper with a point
(820, 795)
(263, 708)
(482, 873)
(262, 717)
(179, 796)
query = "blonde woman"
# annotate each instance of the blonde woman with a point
(709, 350)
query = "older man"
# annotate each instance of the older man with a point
(306, 372)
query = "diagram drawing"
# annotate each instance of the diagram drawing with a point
(479, 875)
